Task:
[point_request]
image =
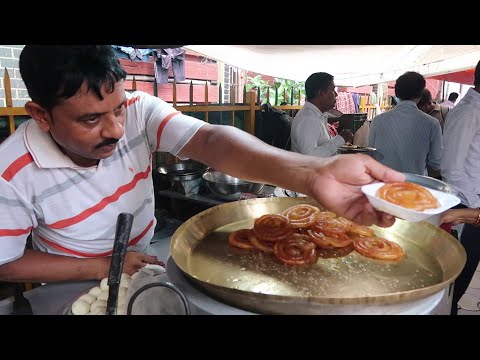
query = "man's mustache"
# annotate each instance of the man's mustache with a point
(106, 143)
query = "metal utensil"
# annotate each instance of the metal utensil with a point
(261, 284)
(122, 234)
(21, 305)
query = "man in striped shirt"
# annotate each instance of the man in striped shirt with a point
(85, 156)
(406, 138)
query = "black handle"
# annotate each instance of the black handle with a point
(122, 235)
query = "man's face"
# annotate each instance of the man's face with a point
(427, 107)
(328, 98)
(87, 128)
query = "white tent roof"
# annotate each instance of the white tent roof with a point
(351, 65)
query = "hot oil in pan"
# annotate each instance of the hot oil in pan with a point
(213, 261)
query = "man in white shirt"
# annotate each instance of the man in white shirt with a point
(309, 134)
(450, 102)
(461, 168)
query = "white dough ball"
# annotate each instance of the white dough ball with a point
(125, 276)
(95, 291)
(80, 307)
(104, 284)
(99, 311)
(122, 292)
(121, 311)
(125, 282)
(98, 304)
(88, 298)
(103, 296)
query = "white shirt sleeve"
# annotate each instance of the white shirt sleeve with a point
(16, 223)
(167, 129)
(461, 152)
(310, 137)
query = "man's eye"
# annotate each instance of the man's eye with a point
(90, 119)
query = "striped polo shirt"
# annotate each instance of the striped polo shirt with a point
(72, 210)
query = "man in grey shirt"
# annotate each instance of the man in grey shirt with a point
(406, 138)
(309, 133)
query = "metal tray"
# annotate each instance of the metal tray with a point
(257, 282)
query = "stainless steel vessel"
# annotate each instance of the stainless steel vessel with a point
(257, 282)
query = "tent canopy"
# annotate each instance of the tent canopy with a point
(351, 65)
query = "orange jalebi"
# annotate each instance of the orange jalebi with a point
(378, 248)
(240, 239)
(272, 227)
(295, 250)
(409, 195)
(302, 215)
(302, 233)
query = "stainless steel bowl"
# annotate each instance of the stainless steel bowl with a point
(183, 171)
(430, 183)
(434, 184)
(228, 187)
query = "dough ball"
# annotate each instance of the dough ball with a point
(125, 282)
(121, 311)
(122, 292)
(80, 307)
(103, 296)
(104, 284)
(99, 311)
(95, 291)
(88, 298)
(98, 304)
(125, 276)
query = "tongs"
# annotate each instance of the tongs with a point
(122, 234)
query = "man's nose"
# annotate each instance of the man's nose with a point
(112, 128)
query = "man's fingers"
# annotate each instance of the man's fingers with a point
(382, 172)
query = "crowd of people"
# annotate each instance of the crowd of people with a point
(417, 136)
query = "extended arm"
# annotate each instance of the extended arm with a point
(334, 182)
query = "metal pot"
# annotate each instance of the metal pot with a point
(183, 171)
(258, 283)
(184, 177)
(228, 187)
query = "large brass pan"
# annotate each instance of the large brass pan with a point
(257, 282)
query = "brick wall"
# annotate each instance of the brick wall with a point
(9, 55)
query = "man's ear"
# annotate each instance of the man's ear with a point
(39, 114)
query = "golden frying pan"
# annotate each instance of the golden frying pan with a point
(257, 282)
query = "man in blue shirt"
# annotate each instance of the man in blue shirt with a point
(406, 138)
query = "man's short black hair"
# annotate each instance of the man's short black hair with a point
(317, 82)
(409, 86)
(55, 72)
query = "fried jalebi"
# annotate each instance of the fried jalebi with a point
(294, 239)
(378, 248)
(409, 195)
(265, 246)
(295, 250)
(334, 252)
(301, 215)
(272, 227)
(240, 239)
(332, 239)
(357, 229)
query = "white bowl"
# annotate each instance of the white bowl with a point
(446, 201)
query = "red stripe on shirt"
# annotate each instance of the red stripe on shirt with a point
(65, 250)
(131, 101)
(102, 204)
(16, 166)
(162, 126)
(15, 232)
